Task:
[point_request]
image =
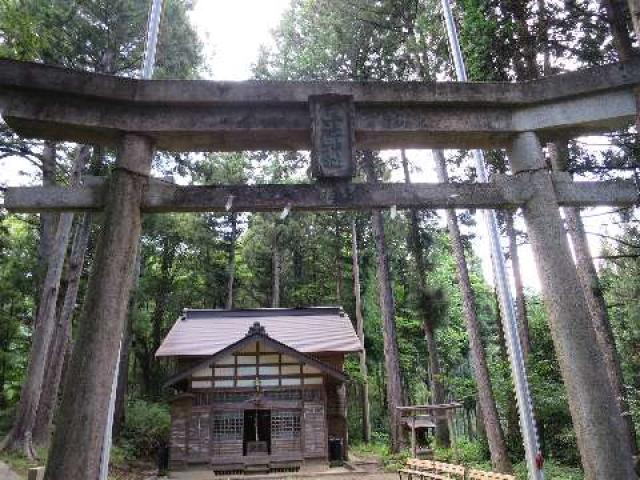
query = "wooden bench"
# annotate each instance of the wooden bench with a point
(430, 469)
(474, 474)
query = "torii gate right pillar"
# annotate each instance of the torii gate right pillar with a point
(596, 417)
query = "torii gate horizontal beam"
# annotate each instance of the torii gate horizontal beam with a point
(504, 192)
(179, 115)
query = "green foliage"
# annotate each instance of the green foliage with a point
(466, 452)
(21, 464)
(99, 35)
(471, 454)
(145, 430)
(19, 264)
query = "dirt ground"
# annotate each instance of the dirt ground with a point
(6, 473)
(346, 475)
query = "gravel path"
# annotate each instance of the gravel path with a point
(6, 473)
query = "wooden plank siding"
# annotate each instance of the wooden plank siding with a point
(207, 424)
(315, 430)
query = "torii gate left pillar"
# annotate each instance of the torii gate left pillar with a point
(85, 407)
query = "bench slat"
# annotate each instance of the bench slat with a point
(484, 475)
(424, 474)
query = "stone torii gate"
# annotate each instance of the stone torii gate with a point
(331, 119)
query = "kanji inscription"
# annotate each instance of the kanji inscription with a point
(332, 136)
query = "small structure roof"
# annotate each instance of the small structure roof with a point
(422, 421)
(308, 330)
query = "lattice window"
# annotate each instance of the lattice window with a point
(227, 426)
(285, 425)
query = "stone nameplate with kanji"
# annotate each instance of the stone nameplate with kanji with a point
(332, 136)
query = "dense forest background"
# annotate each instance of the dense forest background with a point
(262, 260)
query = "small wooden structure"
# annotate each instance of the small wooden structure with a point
(419, 417)
(259, 390)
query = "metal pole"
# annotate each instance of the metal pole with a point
(523, 396)
(153, 28)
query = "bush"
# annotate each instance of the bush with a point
(6, 420)
(146, 429)
(467, 452)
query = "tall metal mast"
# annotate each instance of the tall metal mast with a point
(153, 29)
(507, 309)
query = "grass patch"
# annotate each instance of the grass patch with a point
(471, 455)
(379, 451)
(19, 463)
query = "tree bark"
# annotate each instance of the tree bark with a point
(275, 267)
(366, 407)
(62, 336)
(634, 9)
(493, 429)
(387, 308)
(76, 449)
(20, 438)
(339, 266)
(122, 386)
(48, 221)
(596, 303)
(521, 304)
(616, 11)
(428, 321)
(154, 381)
(231, 261)
(513, 430)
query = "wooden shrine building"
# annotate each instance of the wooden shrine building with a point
(259, 390)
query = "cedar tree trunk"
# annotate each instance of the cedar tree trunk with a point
(275, 267)
(428, 321)
(366, 408)
(20, 438)
(231, 260)
(521, 304)
(493, 429)
(387, 308)
(60, 345)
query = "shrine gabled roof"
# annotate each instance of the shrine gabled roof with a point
(257, 333)
(200, 333)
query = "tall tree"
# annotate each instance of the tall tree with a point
(395, 390)
(58, 351)
(20, 438)
(493, 428)
(276, 266)
(366, 406)
(429, 314)
(521, 302)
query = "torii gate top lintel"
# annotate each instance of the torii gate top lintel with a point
(192, 115)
